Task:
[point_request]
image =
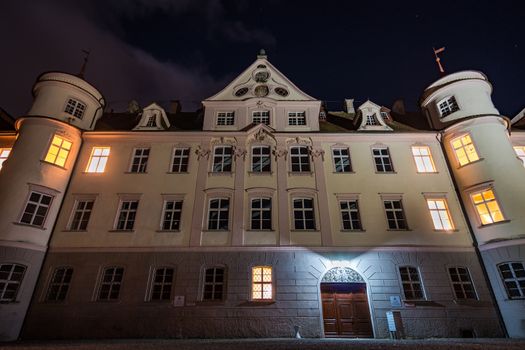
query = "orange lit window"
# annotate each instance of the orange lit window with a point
(262, 283)
(4, 153)
(423, 159)
(97, 161)
(487, 207)
(464, 149)
(440, 215)
(58, 151)
(520, 152)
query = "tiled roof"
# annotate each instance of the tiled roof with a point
(127, 121)
(7, 123)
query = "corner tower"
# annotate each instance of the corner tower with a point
(489, 178)
(33, 182)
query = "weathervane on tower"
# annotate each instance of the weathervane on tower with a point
(438, 60)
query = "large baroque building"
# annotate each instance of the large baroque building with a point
(262, 212)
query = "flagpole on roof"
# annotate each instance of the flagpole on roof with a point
(438, 60)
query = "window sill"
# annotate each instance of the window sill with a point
(421, 302)
(136, 172)
(474, 162)
(228, 231)
(123, 231)
(168, 231)
(300, 173)
(427, 172)
(177, 172)
(494, 223)
(398, 229)
(81, 231)
(262, 230)
(313, 230)
(29, 225)
(386, 172)
(446, 231)
(343, 172)
(220, 173)
(260, 173)
(351, 230)
(257, 303)
(52, 164)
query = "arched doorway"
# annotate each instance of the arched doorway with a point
(345, 304)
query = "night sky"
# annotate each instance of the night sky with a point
(190, 49)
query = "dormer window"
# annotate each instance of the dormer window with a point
(296, 118)
(75, 108)
(447, 106)
(261, 117)
(371, 119)
(225, 118)
(384, 115)
(152, 121)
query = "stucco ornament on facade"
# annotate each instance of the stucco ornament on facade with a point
(342, 274)
(316, 153)
(202, 153)
(280, 153)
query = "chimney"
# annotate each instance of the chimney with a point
(349, 106)
(175, 106)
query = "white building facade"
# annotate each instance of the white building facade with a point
(257, 216)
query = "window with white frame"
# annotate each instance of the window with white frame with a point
(341, 158)
(58, 151)
(110, 283)
(464, 149)
(226, 118)
(126, 215)
(59, 284)
(513, 276)
(520, 152)
(152, 121)
(350, 214)
(162, 284)
(440, 214)
(303, 214)
(261, 214)
(261, 160)
(412, 287)
(139, 164)
(214, 284)
(447, 106)
(36, 209)
(487, 206)
(371, 119)
(300, 159)
(181, 158)
(395, 215)
(382, 160)
(461, 283)
(222, 159)
(75, 108)
(423, 159)
(11, 276)
(261, 117)
(219, 214)
(297, 118)
(262, 283)
(4, 154)
(98, 160)
(171, 215)
(81, 214)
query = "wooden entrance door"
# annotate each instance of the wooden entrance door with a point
(345, 310)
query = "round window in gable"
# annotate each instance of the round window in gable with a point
(261, 66)
(281, 91)
(241, 92)
(262, 76)
(261, 91)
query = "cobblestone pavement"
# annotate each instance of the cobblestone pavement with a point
(270, 344)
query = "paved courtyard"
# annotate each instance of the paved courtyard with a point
(270, 344)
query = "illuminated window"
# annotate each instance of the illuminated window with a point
(464, 149)
(98, 160)
(139, 163)
(81, 215)
(219, 214)
(261, 117)
(371, 120)
(222, 159)
(303, 214)
(110, 284)
(513, 275)
(225, 118)
(213, 284)
(412, 288)
(161, 284)
(171, 215)
(59, 284)
(36, 209)
(447, 106)
(296, 118)
(395, 215)
(382, 160)
(11, 276)
(261, 214)
(300, 159)
(520, 152)
(350, 215)
(58, 151)
(180, 160)
(341, 158)
(126, 215)
(262, 283)
(461, 282)
(75, 108)
(439, 213)
(261, 161)
(423, 159)
(487, 207)
(4, 153)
